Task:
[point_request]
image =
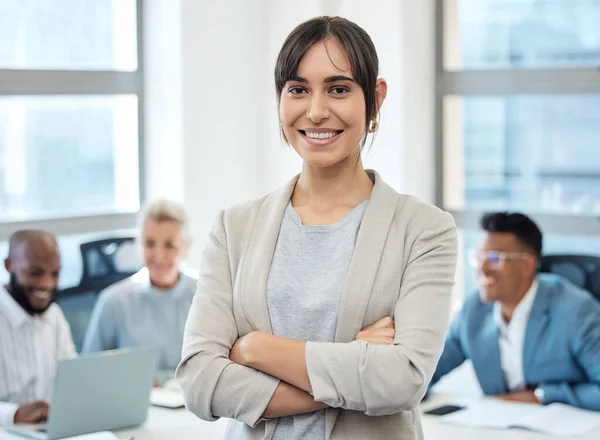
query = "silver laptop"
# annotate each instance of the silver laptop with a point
(99, 392)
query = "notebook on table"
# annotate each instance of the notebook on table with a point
(554, 419)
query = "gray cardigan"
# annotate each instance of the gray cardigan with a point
(403, 266)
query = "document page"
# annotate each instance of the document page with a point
(560, 419)
(554, 419)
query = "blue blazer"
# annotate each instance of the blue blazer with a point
(561, 351)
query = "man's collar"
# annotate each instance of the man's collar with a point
(522, 310)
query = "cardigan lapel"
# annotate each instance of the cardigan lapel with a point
(259, 256)
(370, 242)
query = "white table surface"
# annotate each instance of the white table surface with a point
(165, 424)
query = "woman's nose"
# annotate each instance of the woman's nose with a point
(318, 110)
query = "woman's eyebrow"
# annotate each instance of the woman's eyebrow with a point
(336, 78)
(329, 79)
(298, 79)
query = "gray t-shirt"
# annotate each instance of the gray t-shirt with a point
(304, 289)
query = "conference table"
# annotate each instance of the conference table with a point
(179, 424)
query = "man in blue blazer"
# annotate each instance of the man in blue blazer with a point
(531, 337)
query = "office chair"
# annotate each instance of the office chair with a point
(105, 262)
(582, 270)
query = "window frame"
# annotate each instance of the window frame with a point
(547, 81)
(27, 82)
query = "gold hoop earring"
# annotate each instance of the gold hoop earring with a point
(374, 125)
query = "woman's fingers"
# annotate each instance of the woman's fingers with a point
(383, 323)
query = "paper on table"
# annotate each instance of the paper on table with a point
(561, 419)
(553, 419)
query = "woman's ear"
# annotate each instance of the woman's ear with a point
(380, 93)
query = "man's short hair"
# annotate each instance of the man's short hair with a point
(525, 229)
(28, 235)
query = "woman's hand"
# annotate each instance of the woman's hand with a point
(380, 333)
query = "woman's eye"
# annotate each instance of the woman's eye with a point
(296, 90)
(338, 90)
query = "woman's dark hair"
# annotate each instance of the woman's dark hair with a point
(359, 47)
(526, 231)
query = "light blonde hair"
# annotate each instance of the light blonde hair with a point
(163, 210)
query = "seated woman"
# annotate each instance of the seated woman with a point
(150, 307)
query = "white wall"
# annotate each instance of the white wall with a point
(163, 107)
(417, 83)
(224, 107)
(213, 132)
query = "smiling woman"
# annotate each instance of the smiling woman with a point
(327, 301)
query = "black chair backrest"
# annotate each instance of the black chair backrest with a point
(100, 265)
(582, 270)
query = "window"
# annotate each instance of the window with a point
(518, 118)
(536, 153)
(70, 114)
(68, 156)
(68, 34)
(505, 34)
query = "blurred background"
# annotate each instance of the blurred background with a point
(106, 104)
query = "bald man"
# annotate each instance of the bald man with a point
(34, 333)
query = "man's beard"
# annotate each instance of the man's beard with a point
(19, 294)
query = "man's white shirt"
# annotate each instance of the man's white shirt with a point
(29, 350)
(512, 338)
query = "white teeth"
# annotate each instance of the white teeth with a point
(313, 135)
(42, 294)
